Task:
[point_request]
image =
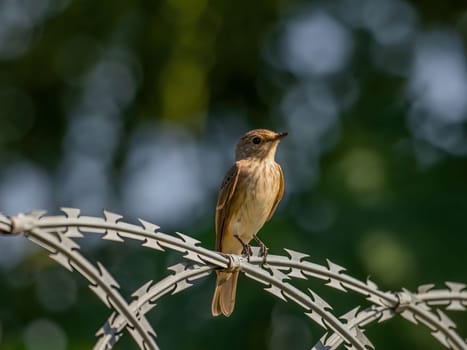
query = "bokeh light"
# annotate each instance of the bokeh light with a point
(315, 44)
(44, 334)
(24, 187)
(386, 258)
(136, 107)
(438, 86)
(56, 289)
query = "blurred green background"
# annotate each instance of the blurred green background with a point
(135, 107)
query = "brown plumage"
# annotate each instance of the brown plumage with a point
(248, 197)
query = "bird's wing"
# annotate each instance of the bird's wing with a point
(280, 193)
(223, 202)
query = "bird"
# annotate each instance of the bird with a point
(248, 197)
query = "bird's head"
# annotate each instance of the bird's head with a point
(258, 144)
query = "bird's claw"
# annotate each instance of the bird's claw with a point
(246, 251)
(263, 250)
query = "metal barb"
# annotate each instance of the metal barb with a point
(101, 282)
(146, 296)
(6, 226)
(57, 235)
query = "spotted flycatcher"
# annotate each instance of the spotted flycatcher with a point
(248, 197)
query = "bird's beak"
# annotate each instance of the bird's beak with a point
(281, 135)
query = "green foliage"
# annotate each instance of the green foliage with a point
(100, 82)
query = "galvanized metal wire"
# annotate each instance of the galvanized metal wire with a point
(57, 235)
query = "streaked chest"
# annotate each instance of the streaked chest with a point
(256, 193)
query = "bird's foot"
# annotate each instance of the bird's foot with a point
(246, 251)
(263, 250)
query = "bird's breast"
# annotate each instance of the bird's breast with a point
(256, 193)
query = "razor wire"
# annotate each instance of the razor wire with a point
(57, 235)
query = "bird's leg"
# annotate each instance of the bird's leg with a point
(246, 247)
(263, 249)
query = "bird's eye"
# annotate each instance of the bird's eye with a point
(256, 140)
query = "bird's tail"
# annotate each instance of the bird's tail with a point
(223, 301)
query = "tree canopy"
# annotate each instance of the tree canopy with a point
(135, 107)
